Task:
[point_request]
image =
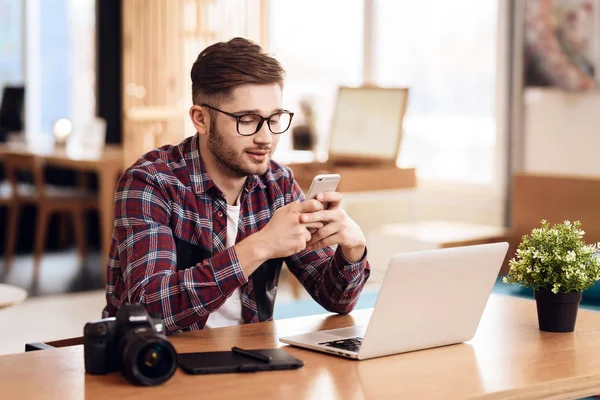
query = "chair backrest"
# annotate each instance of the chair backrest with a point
(16, 165)
(12, 108)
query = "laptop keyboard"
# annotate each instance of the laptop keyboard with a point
(350, 344)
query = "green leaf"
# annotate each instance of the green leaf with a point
(555, 258)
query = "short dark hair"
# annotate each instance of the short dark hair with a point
(225, 65)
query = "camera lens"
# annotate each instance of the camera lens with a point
(149, 358)
(154, 361)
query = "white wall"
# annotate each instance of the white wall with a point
(562, 132)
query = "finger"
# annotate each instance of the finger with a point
(307, 235)
(328, 241)
(333, 199)
(316, 216)
(321, 234)
(308, 206)
(314, 225)
(325, 232)
(320, 216)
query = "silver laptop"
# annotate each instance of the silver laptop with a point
(428, 299)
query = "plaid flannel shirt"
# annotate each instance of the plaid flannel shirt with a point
(167, 197)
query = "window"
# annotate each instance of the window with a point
(55, 54)
(444, 51)
(48, 67)
(320, 45)
(11, 42)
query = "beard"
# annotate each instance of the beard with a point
(230, 161)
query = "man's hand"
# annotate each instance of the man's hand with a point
(339, 228)
(283, 235)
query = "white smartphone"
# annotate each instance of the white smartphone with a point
(323, 183)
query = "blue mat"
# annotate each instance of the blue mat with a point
(591, 300)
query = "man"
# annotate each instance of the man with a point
(202, 228)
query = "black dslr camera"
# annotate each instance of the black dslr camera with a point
(132, 342)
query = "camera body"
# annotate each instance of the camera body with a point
(132, 342)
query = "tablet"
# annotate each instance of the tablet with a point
(216, 362)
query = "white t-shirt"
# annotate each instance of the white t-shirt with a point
(230, 313)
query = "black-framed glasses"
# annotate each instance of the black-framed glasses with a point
(249, 124)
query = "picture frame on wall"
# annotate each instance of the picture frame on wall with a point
(562, 44)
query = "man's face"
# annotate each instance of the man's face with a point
(239, 155)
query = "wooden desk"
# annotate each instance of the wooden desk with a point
(508, 358)
(108, 167)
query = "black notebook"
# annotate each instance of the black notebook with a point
(215, 362)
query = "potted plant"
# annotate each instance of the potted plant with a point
(558, 265)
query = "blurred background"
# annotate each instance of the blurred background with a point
(500, 127)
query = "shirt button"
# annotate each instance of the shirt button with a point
(220, 214)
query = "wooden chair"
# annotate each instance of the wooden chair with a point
(5, 201)
(48, 199)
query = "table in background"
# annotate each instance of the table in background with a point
(107, 167)
(508, 358)
(11, 295)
